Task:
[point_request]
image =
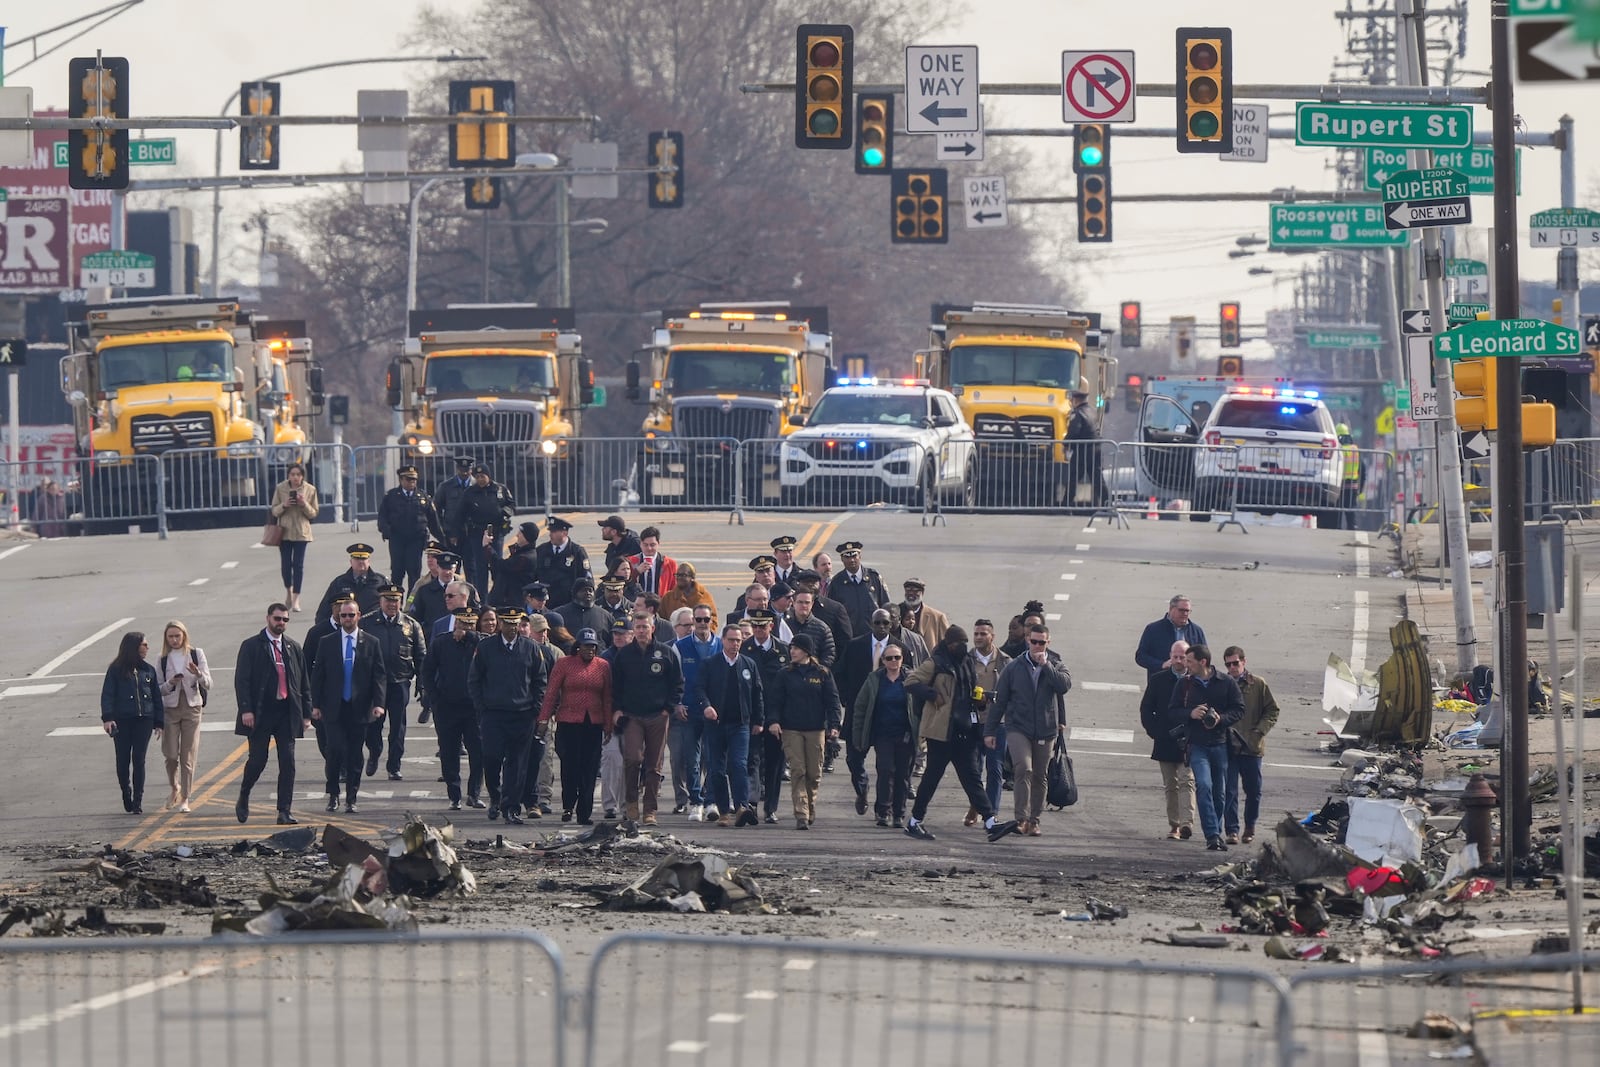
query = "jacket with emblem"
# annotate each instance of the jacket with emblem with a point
(646, 681)
(404, 516)
(859, 598)
(401, 641)
(804, 697)
(560, 571)
(734, 690)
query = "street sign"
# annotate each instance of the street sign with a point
(1249, 134)
(1539, 8)
(13, 353)
(1551, 50)
(1433, 197)
(1475, 445)
(1394, 125)
(156, 152)
(942, 88)
(1460, 312)
(1344, 337)
(1424, 406)
(1476, 163)
(1097, 86)
(960, 147)
(1591, 332)
(16, 146)
(1471, 276)
(1564, 227)
(1489, 338)
(985, 203)
(1350, 225)
(1416, 321)
(596, 164)
(120, 270)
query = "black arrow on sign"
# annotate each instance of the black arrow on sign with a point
(982, 216)
(966, 148)
(934, 112)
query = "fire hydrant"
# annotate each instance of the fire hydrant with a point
(1480, 802)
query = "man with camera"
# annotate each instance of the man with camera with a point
(1206, 702)
(1167, 744)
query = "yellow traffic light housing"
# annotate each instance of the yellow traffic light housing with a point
(666, 187)
(258, 145)
(824, 57)
(483, 144)
(1205, 89)
(874, 134)
(483, 194)
(1477, 393)
(1230, 366)
(1538, 424)
(1094, 207)
(97, 89)
(1228, 322)
(1132, 326)
(1091, 147)
(917, 200)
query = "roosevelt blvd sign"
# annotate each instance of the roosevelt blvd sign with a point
(1351, 225)
(1564, 227)
(1438, 196)
(1391, 125)
(1507, 337)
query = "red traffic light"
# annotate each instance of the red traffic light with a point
(1230, 312)
(1134, 381)
(1130, 312)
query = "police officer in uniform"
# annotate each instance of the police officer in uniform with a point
(485, 509)
(447, 498)
(427, 603)
(408, 521)
(857, 588)
(359, 581)
(612, 599)
(1083, 461)
(516, 570)
(443, 682)
(784, 566)
(560, 562)
(506, 683)
(766, 754)
(536, 601)
(400, 638)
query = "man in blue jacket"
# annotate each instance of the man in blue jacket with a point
(1155, 644)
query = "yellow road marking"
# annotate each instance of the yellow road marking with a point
(149, 824)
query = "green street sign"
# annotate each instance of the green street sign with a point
(1466, 268)
(1394, 125)
(1460, 312)
(1346, 225)
(1430, 184)
(1402, 396)
(1569, 227)
(1540, 8)
(119, 260)
(1506, 337)
(1344, 338)
(158, 152)
(1476, 163)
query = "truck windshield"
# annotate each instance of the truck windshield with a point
(837, 408)
(505, 375)
(697, 370)
(174, 361)
(1055, 368)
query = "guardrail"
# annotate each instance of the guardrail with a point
(95, 495)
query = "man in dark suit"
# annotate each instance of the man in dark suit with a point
(506, 683)
(274, 697)
(560, 562)
(859, 589)
(347, 691)
(446, 501)
(729, 685)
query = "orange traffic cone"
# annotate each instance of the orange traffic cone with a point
(1150, 513)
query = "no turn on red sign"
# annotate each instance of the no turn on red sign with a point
(1097, 86)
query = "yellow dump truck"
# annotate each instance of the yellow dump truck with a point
(721, 374)
(1013, 368)
(505, 384)
(186, 380)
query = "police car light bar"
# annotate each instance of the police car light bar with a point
(1268, 391)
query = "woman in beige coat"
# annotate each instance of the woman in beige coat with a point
(183, 672)
(294, 504)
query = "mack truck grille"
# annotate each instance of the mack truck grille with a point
(739, 423)
(1004, 427)
(518, 427)
(162, 433)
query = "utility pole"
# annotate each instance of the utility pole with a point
(1508, 517)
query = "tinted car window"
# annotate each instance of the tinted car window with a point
(1281, 415)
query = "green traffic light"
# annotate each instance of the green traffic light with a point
(1204, 124)
(1090, 155)
(872, 157)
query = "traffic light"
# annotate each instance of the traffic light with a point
(1205, 89)
(824, 54)
(483, 144)
(1545, 390)
(666, 150)
(97, 89)
(1476, 394)
(1091, 147)
(1131, 325)
(874, 134)
(1230, 366)
(1132, 390)
(258, 145)
(1094, 207)
(483, 194)
(1228, 315)
(917, 203)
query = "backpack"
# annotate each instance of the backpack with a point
(1060, 784)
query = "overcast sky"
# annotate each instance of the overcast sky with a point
(188, 55)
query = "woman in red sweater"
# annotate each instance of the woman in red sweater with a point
(579, 698)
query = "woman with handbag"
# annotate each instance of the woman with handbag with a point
(294, 508)
(130, 712)
(185, 684)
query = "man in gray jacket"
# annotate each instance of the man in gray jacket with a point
(1030, 703)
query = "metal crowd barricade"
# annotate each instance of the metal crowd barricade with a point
(655, 472)
(1365, 505)
(1043, 475)
(52, 497)
(524, 469)
(242, 479)
(724, 1001)
(1574, 477)
(1160, 480)
(1521, 1011)
(336, 998)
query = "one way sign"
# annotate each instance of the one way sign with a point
(985, 203)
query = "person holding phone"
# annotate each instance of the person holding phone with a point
(131, 713)
(294, 505)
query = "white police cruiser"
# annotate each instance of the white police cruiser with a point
(1269, 449)
(873, 440)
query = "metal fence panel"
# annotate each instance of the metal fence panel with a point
(1472, 1011)
(1162, 479)
(210, 480)
(347, 999)
(87, 494)
(715, 1001)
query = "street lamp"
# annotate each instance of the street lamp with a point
(216, 192)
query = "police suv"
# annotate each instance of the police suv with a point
(1268, 449)
(881, 441)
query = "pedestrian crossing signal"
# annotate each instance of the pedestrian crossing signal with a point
(483, 194)
(1230, 366)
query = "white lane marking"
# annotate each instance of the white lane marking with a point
(166, 600)
(258, 544)
(423, 793)
(693, 1048)
(1080, 548)
(1088, 530)
(1363, 556)
(1358, 636)
(1110, 737)
(1063, 596)
(105, 1000)
(1074, 561)
(799, 963)
(726, 1017)
(13, 551)
(200, 581)
(229, 565)
(762, 994)
(1112, 687)
(213, 727)
(80, 646)
(32, 690)
(1052, 616)
(381, 794)
(1069, 577)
